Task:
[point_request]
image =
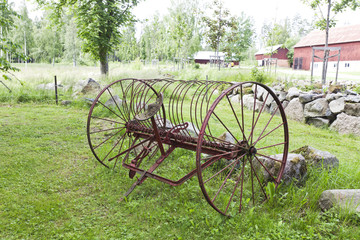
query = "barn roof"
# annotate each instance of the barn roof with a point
(268, 50)
(336, 35)
(205, 55)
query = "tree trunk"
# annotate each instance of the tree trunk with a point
(25, 50)
(74, 60)
(104, 65)
(326, 52)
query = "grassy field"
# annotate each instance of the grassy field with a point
(52, 187)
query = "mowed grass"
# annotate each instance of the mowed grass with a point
(51, 187)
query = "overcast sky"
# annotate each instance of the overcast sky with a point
(260, 10)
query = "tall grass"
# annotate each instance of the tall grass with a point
(24, 85)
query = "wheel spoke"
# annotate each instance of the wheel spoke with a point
(111, 149)
(130, 148)
(107, 120)
(237, 120)
(227, 166)
(108, 89)
(109, 109)
(267, 125)
(257, 177)
(261, 110)
(122, 142)
(253, 118)
(261, 137)
(242, 108)
(225, 127)
(106, 139)
(266, 169)
(225, 180)
(109, 129)
(241, 189)
(237, 182)
(270, 146)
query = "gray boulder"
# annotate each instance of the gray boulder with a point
(317, 108)
(306, 97)
(337, 106)
(318, 122)
(348, 199)
(352, 109)
(92, 87)
(295, 168)
(352, 99)
(293, 92)
(333, 96)
(191, 130)
(317, 158)
(160, 123)
(294, 110)
(65, 102)
(282, 96)
(346, 124)
(235, 99)
(349, 92)
(260, 91)
(227, 137)
(113, 101)
(89, 86)
(248, 101)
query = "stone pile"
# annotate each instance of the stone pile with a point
(338, 108)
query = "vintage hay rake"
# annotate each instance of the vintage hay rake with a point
(142, 122)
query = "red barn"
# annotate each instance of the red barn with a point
(347, 38)
(276, 51)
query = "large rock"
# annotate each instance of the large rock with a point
(295, 168)
(317, 108)
(352, 99)
(318, 122)
(293, 92)
(47, 86)
(89, 86)
(346, 124)
(260, 91)
(235, 98)
(294, 110)
(92, 87)
(248, 101)
(282, 96)
(317, 158)
(333, 96)
(348, 199)
(337, 106)
(352, 109)
(306, 97)
(227, 137)
(114, 101)
(191, 130)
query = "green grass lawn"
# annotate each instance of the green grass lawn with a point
(51, 187)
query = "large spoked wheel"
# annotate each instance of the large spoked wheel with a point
(109, 117)
(252, 132)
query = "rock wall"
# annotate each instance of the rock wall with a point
(340, 110)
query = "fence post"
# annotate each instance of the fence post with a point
(56, 93)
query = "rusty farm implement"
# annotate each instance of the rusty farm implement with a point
(235, 130)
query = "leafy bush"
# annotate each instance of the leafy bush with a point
(258, 75)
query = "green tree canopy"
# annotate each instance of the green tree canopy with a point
(98, 23)
(7, 47)
(220, 27)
